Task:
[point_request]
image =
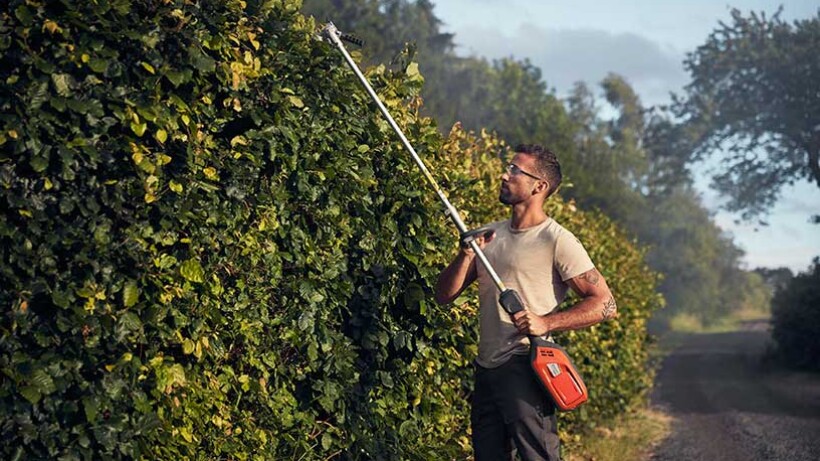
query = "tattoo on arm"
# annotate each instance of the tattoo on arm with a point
(610, 308)
(591, 276)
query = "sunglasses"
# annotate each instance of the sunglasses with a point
(515, 170)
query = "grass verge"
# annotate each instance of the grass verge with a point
(632, 437)
(689, 323)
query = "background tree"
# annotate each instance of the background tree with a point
(776, 278)
(755, 95)
(607, 165)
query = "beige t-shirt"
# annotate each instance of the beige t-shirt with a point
(535, 262)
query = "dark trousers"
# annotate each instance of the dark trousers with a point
(512, 413)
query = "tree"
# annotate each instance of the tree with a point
(775, 279)
(755, 95)
(693, 254)
(608, 165)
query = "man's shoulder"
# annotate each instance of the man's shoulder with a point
(556, 227)
(554, 231)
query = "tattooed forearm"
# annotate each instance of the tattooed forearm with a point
(610, 309)
(591, 276)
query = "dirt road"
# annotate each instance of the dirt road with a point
(728, 404)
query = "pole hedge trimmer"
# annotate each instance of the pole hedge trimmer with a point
(551, 365)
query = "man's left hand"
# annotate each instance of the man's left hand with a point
(530, 323)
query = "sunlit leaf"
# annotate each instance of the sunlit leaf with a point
(192, 271)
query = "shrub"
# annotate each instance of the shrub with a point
(796, 319)
(213, 248)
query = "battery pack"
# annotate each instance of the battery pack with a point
(557, 374)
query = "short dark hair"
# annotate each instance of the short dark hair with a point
(546, 162)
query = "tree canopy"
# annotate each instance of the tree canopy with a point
(755, 97)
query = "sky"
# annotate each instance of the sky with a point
(645, 41)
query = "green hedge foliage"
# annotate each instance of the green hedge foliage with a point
(213, 247)
(796, 319)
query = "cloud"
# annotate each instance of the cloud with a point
(569, 55)
(800, 200)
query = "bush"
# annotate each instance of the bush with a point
(796, 319)
(213, 247)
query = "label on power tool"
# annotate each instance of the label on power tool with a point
(554, 369)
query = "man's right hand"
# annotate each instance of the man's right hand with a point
(481, 240)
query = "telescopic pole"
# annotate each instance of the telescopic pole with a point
(331, 32)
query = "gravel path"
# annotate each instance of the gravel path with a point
(728, 404)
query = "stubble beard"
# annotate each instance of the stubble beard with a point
(505, 197)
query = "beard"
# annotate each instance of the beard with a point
(506, 197)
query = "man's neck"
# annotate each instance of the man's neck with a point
(524, 216)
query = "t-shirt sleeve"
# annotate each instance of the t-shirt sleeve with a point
(571, 259)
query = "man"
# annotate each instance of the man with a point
(540, 259)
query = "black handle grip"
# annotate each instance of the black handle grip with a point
(511, 301)
(471, 235)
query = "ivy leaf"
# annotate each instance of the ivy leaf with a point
(31, 394)
(296, 101)
(305, 321)
(413, 74)
(38, 95)
(139, 128)
(413, 294)
(210, 173)
(192, 271)
(98, 65)
(91, 406)
(39, 163)
(177, 78)
(412, 70)
(186, 434)
(161, 136)
(200, 60)
(24, 15)
(188, 347)
(175, 375)
(327, 441)
(42, 381)
(102, 233)
(148, 67)
(130, 293)
(130, 322)
(62, 82)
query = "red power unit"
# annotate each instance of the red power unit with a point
(555, 371)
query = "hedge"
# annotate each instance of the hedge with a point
(213, 247)
(796, 319)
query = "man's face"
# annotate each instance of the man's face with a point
(517, 182)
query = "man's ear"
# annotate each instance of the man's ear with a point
(542, 186)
